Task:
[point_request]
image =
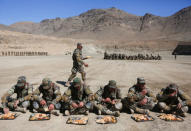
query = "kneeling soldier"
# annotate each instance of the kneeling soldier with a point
(50, 97)
(108, 99)
(139, 98)
(173, 100)
(77, 98)
(23, 90)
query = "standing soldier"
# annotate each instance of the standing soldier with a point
(77, 98)
(23, 90)
(108, 99)
(77, 64)
(139, 98)
(173, 100)
(50, 97)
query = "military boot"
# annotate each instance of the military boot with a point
(66, 113)
(55, 113)
(20, 109)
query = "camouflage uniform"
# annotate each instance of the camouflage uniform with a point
(24, 92)
(170, 97)
(111, 92)
(50, 94)
(139, 99)
(77, 64)
(75, 94)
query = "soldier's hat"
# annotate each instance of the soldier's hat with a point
(172, 86)
(79, 44)
(112, 84)
(21, 81)
(140, 80)
(76, 81)
(46, 83)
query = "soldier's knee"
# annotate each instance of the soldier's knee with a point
(26, 104)
(58, 106)
(185, 108)
(118, 106)
(35, 105)
(162, 105)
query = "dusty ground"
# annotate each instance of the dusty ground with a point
(157, 74)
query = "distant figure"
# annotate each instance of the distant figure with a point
(78, 64)
(175, 56)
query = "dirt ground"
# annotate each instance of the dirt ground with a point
(158, 74)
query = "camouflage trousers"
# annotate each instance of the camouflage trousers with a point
(136, 107)
(108, 109)
(11, 101)
(172, 108)
(80, 110)
(40, 108)
(74, 71)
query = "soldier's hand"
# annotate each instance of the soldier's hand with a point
(74, 105)
(108, 100)
(91, 98)
(143, 101)
(81, 104)
(179, 106)
(6, 110)
(113, 102)
(43, 102)
(51, 107)
(144, 92)
(16, 103)
(86, 65)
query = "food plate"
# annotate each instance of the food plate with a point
(106, 120)
(77, 120)
(170, 117)
(142, 118)
(8, 116)
(39, 117)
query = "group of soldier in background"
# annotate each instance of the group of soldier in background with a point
(116, 56)
(79, 99)
(29, 53)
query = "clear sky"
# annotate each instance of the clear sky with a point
(12, 11)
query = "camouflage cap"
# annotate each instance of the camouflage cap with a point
(76, 80)
(21, 81)
(172, 86)
(112, 84)
(140, 80)
(79, 44)
(45, 83)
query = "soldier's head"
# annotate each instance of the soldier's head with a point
(172, 89)
(112, 85)
(46, 83)
(141, 82)
(79, 46)
(21, 81)
(77, 83)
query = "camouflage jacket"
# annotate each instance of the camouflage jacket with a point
(104, 92)
(135, 93)
(180, 97)
(51, 95)
(77, 57)
(76, 95)
(21, 92)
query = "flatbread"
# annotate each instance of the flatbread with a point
(106, 120)
(8, 116)
(142, 117)
(170, 117)
(77, 120)
(39, 117)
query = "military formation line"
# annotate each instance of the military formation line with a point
(25, 53)
(115, 56)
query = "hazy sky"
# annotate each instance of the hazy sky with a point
(12, 11)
